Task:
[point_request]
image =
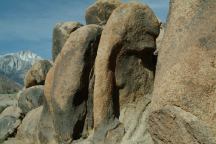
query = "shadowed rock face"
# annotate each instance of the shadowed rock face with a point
(69, 88)
(100, 11)
(124, 67)
(186, 70)
(61, 33)
(10, 119)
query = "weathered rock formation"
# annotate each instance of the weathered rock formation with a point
(28, 130)
(9, 122)
(61, 33)
(37, 74)
(135, 119)
(101, 88)
(124, 67)
(185, 77)
(69, 88)
(100, 11)
(30, 98)
(173, 125)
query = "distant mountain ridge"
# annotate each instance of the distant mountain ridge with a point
(8, 86)
(15, 65)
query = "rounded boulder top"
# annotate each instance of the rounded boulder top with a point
(61, 33)
(100, 11)
(37, 74)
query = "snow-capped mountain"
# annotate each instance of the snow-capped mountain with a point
(28, 56)
(15, 65)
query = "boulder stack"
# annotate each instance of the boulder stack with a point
(37, 74)
(114, 81)
(69, 88)
(125, 64)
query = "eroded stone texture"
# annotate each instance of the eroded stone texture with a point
(37, 74)
(61, 33)
(71, 81)
(186, 70)
(172, 125)
(135, 119)
(8, 125)
(100, 11)
(10, 119)
(46, 131)
(28, 130)
(124, 68)
(89, 121)
(14, 141)
(31, 98)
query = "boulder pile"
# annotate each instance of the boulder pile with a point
(116, 81)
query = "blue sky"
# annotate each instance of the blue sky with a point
(28, 24)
